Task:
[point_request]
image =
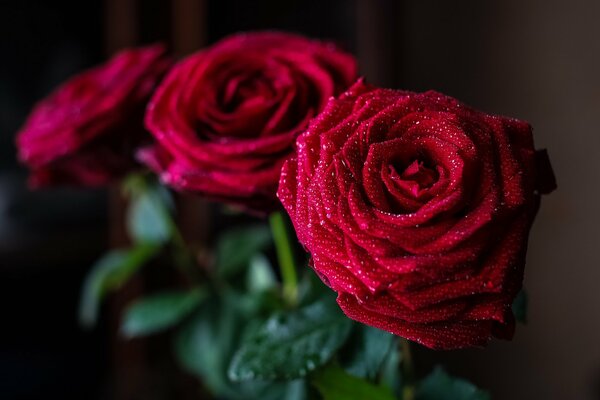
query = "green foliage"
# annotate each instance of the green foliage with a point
(149, 225)
(441, 386)
(390, 375)
(236, 248)
(159, 312)
(336, 384)
(239, 335)
(519, 306)
(243, 291)
(311, 288)
(289, 345)
(148, 218)
(206, 342)
(366, 351)
(109, 273)
(296, 390)
(260, 275)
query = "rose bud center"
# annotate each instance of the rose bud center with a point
(246, 92)
(415, 178)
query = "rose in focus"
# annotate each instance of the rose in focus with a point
(416, 210)
(227, 117)
(86, 132)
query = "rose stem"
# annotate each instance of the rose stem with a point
(285, 257)
(408, 370)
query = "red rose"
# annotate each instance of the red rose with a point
(86, 131)
(416, 210)
(227, 117)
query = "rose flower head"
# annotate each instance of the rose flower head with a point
(86, 132)
(227, 117)
(416, 210)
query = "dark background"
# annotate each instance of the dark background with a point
(537, 60)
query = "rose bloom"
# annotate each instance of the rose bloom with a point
(416, 210)
(86, 132)
(227, 117)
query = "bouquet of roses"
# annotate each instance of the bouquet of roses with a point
(414, 209)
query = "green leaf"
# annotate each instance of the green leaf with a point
(296, 390)
(148, 217)
(290, 345)
(260, 275)
(336, 384)
(390, 372)
(235, 248)
(366, 351)
(109, 273)
(206, 342)
(260, 390)
(441, 386)
(519, 306)
(159, 312)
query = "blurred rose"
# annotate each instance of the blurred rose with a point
(416, 209)
(86, 132)
(227, 117)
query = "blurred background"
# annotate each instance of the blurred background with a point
(537, 60)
